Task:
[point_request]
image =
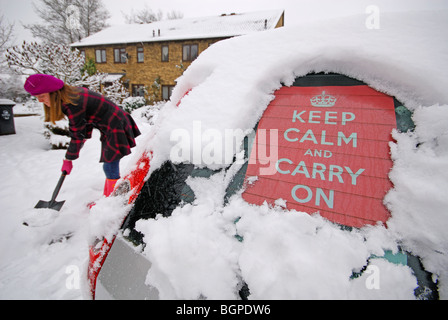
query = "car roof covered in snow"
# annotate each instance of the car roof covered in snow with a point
(227, 25)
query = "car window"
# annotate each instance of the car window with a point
(161, 194)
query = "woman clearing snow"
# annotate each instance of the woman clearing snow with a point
(86, 110)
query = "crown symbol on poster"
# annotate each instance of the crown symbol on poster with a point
(323, 100)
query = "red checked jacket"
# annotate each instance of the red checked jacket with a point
(92, 110)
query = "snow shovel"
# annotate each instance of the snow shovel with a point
(53, 204)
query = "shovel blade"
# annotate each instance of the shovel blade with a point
(54, 205)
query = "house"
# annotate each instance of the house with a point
(150, 57)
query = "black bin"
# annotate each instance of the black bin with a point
(6, 117)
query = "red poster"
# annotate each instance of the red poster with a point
(325, 150)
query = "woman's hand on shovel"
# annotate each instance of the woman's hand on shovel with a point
(67, 166)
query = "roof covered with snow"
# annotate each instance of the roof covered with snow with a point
(223, 26)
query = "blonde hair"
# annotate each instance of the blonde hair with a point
(66, 95)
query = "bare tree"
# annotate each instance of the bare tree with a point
(146, 15)
(6, 39)
(143, 16)
(67, 21)
(174, 15)
(93, 16)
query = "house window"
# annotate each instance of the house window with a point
(165, 54)
(140, 55)
(138, 90)
(166, 92)
(100, 56)
(120, 55)
(189, 52)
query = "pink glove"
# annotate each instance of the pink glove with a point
(67, 166)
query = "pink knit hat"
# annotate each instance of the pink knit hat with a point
(42, 83)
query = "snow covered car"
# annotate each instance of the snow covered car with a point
(289, 165)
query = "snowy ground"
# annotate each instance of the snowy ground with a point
(30, 268)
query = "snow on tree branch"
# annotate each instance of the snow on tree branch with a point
(58, 60)
(64, 63)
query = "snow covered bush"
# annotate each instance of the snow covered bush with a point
(116, 92)
(57, 134)
(150, 112)
(132, 103)
(58, 60)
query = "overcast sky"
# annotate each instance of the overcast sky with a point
(22, 12)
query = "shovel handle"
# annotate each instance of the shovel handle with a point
(58, 186)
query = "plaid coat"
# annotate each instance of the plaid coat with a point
(92, 110)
